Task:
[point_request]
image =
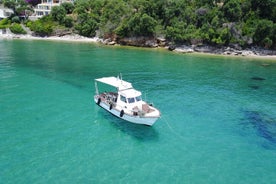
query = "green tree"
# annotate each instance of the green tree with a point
(18, 6)
(206, 3)
(87, 25)
(201, 16)
(68, 21)
(180, 21)
(140, 25)
(111, 16)
(81, 7)
(69, 7)
(176, 32)
(58, 13)
(10, 4)
(266, 9)
(232, 10)
(42, 27)
(264, 34)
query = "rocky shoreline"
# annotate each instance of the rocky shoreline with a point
(230, 51)
(233, 50)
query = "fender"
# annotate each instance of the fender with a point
(122, 113)
(99, 101)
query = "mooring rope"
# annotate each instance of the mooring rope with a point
(171, 128)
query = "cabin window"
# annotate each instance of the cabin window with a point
(123, 99)
(138, 98)
(131, 100)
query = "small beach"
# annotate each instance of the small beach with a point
(68, 38)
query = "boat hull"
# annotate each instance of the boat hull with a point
(150, 120)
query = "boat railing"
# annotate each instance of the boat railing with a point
(111, 99)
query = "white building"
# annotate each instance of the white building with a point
(44, 8)
(5, 12)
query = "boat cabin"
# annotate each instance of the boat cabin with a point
(129, 97)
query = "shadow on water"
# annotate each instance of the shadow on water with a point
(257, 78)
(264, 125)
(140, 132)
(63, 79)
(254, 87)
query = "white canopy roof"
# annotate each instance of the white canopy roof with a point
(115, 82)
(130, 93)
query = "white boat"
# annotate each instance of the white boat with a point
(125, 102)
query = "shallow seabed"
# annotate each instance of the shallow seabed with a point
(218, 120)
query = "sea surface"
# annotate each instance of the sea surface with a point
(218, 121)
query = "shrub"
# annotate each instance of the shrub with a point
(264, 33)
(5, 23)
(68, 21)
(17, 29)
(15, 19)
(232, 10)
(138, 25)
(41, 28)
(69, 7)
(87, 25)
(58, 13)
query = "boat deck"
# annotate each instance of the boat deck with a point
(110, 98)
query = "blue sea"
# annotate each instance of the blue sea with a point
(218, 121)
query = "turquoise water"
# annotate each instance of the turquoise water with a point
(218, 120)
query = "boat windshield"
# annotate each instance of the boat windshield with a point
(123, 99)
(138, 98)
(134, 99)
(131, 100)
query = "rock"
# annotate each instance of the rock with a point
(265, 64)
(138, 41)
(62, 32)
(204, 48)
(111, 43)
(171, 47)
(151, 43)
(106, 41)
(239, 52)
(236, 46)
(227, 53)
(247, 53)
(161, 42)
(184, 49)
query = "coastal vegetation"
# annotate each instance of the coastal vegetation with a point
(212, 22)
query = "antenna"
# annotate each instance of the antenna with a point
(121, 78)
(146, 96)
(96, 87)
